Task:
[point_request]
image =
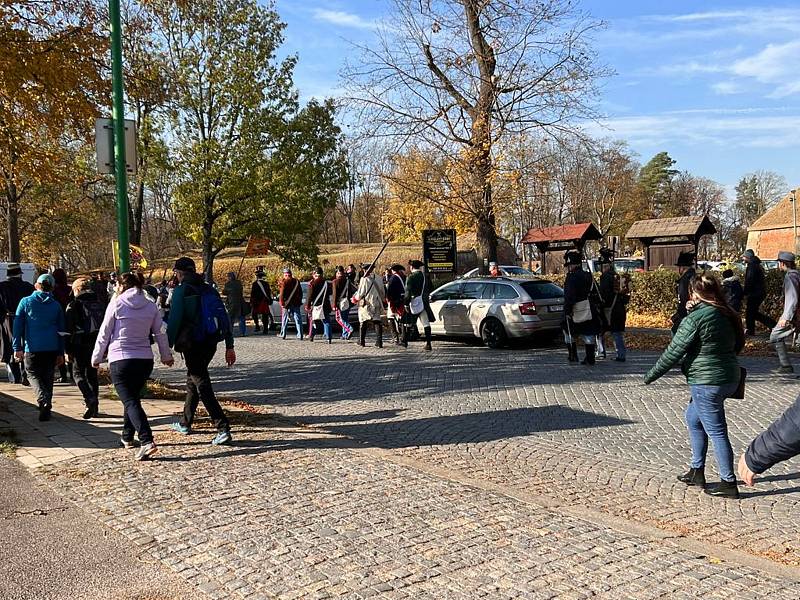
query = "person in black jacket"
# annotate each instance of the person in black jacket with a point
(732, 289)
(685, 264)
(11, 292)
(580, 319)
(84, 315)
(615, 294)
(261, 300)
(780, 442)
(755, 292)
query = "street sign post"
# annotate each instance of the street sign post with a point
(104, 146)
(118, 114)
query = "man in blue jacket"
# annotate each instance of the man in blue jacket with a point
(38, 323)
(780, 442)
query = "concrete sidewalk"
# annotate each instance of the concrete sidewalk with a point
(67, 435)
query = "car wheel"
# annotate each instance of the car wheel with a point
(493, 333)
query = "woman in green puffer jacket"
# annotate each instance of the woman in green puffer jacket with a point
(706, 344)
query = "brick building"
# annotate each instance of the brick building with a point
(773, 231)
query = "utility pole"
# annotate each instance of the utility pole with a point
(118, 115)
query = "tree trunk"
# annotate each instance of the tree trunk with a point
(136, 214)
(208, 250)
(349, 228)
(12, 220)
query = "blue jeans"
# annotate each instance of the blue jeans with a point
(619, 343)
(705, 418)
(298, 321)
(326, 327)
(343, 318)
(242, 324)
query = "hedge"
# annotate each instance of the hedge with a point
(654, 295)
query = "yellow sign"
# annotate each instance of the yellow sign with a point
(137, 260)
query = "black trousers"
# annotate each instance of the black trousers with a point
(40, 367)
(85, 375)
(752, 314)
(199, 389)
(129, 377)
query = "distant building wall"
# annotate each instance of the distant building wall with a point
(767, 244)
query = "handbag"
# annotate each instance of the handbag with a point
(582, 312)
(318, 310)
(344, 300)
(739, 393)
(417, 304)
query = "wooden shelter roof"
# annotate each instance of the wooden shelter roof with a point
(671, 227)
(562, 233)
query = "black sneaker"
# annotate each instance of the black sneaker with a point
(723, 489)
(693, 477)
(784, 370)
(44, 413)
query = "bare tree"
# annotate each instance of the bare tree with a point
(461, 75)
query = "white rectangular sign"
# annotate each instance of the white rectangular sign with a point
(104, 145)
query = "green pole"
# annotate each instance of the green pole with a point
(118, 116)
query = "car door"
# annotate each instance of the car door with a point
(478, 302)
(443, 305)
(504, 300)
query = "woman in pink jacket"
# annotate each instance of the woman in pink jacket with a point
(129, 322)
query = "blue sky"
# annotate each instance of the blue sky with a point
(716, 84)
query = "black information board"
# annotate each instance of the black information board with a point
(439, 250)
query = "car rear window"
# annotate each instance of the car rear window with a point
(542, 290)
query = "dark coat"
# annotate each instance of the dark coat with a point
(341, 287)
(11, 292)
(754, 279)
(260, 301)
(286, 297)
(319, 294)
(781, 441)
(77, 341)
(683, 293)
(419, 284)
(734, 293)
(578, 286)
(613, 302)
(395, 292)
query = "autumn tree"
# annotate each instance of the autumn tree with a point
(51, 82)
(457, 76)
(250, 161)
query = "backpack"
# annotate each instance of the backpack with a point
(93, 314)
(212, 319)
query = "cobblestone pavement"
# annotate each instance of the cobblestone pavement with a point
(524, 420)
(462, 473)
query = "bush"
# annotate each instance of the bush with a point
(654, 295)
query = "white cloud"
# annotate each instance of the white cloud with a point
(774, 65)
(726, 88)
(703, 129)
(343, 19)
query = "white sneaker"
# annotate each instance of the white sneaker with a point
(146, 451)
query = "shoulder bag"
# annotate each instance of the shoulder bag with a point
(739, 393)
(318, 310)
(417, 304)
(344, 298)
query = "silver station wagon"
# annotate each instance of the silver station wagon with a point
(497, 308)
